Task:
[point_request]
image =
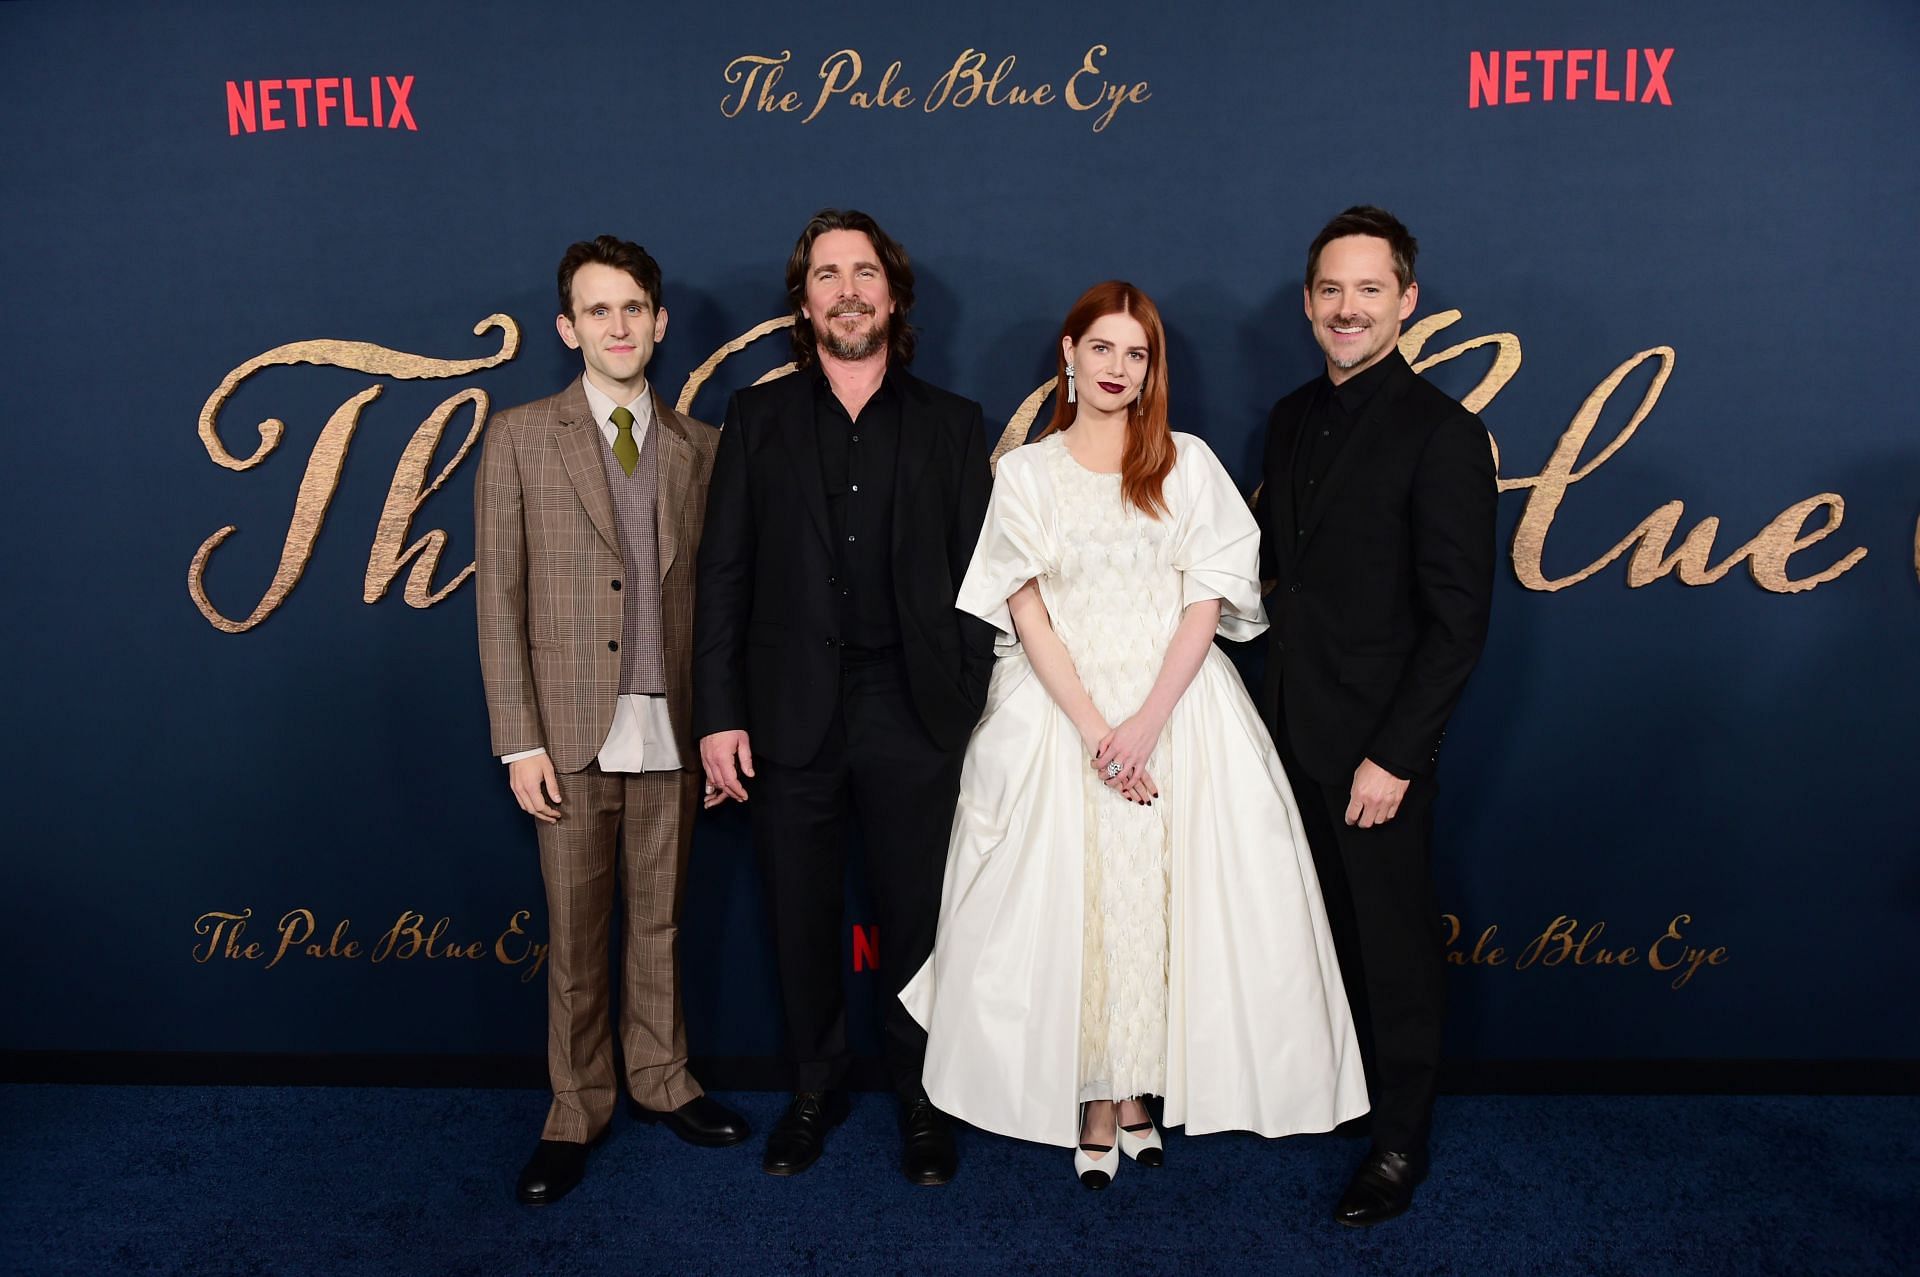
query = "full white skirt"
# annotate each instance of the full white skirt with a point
(1259, 1037)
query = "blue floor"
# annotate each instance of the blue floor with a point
(340, 1181)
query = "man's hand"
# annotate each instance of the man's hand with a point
(534, 783)
(1376, 795)
(718, 755)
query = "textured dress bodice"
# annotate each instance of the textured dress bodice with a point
(1115, 602)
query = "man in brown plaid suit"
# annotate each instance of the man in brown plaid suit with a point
(588, 510)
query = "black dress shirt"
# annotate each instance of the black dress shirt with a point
(1328, 426)
(857, 463)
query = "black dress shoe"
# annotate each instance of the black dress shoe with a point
(1381, 1188)
(551, 1173)
(927, 1154)
(702, 1120)
(801, 1133)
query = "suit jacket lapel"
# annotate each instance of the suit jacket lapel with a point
(1285, 516)
(913, 456)
(1353, 455)
(674, 454)
(799, 429)
(580, 441)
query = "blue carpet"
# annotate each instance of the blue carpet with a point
(343, 1181)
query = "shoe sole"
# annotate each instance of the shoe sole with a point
(1377, 1219)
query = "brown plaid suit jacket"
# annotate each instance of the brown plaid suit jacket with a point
(548, 558)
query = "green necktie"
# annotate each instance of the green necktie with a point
(625, 450)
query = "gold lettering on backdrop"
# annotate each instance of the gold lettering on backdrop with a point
(223, 931)
(322, 476)
(1671, 953)
(1564, 942)
(1102, 93)
(411, 935)
(973, 78)
(699, 376)
(531, 952)
(404, 500)
(1021, 422)
(757, 75)
(1767, 554)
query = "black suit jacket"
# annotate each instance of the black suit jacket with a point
(766, 637)
(1382, 583)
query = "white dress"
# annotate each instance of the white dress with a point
(1091, 948)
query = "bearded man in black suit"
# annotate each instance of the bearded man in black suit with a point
(833, 676)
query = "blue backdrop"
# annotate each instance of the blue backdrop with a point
(1722, 762)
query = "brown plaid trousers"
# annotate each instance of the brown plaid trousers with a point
(548, 557)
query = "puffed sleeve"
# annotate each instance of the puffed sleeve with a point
(1015, 545)
(1216, 541)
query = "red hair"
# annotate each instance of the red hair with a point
(1148, 457)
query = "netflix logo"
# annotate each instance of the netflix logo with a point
(866, 948)
(1568, 75)
(321, 102)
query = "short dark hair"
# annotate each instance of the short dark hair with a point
(1365, 219)
(605, 250)
(893, 260)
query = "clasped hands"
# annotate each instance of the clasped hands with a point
(1120, 755)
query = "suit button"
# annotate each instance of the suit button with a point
(614, 584)
(1294, 588)
(833, 580)
(613, 645)
(829, 642)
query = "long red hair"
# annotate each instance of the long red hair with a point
(1148, 457)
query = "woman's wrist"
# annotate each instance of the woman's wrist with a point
(1092, 732)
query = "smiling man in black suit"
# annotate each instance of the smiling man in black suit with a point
(1377, 526)
(833, 676)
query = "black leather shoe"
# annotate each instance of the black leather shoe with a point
(551, 1173)
(927, 1154)
(702, 1120)
(1381, 1188)
(801, 1133)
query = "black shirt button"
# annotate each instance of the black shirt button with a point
(613, 645)
(614, 584)
(852, 538)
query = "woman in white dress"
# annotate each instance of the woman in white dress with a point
(1130, 908)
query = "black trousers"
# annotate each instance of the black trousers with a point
(1378, 886)
(878, 766)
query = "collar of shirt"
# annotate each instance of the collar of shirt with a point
(888, 389)
(1353, 394)
(602, 408)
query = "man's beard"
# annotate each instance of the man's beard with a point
(852, 349)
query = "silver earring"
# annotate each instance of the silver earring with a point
(1069, 383)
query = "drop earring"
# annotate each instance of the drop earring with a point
(1069, 383)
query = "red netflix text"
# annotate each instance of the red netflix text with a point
(866, 947)
(1568, 75)
(322, 102)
